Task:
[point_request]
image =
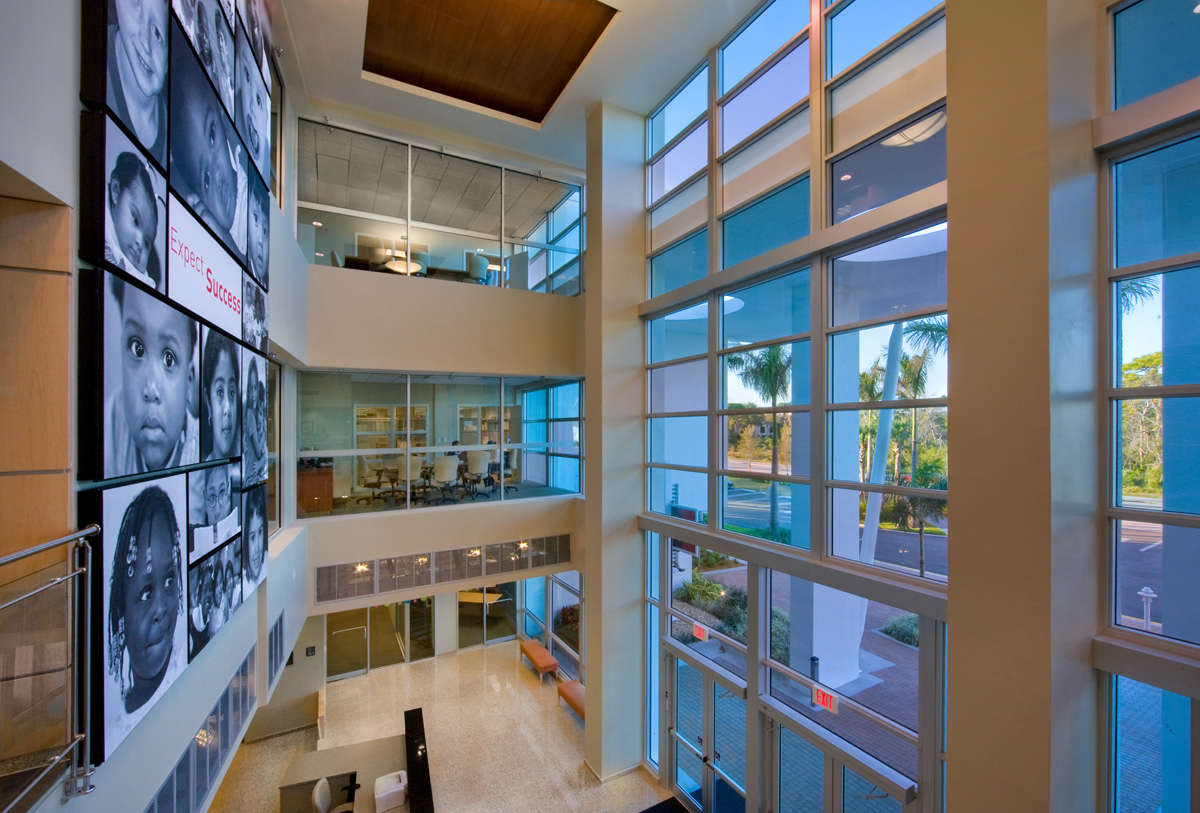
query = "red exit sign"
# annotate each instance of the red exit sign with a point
(700, 632)
(825, 699)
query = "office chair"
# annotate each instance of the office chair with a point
(477, 268)
(322, 799)
(510, 463)
(477, 469)
(445, 476)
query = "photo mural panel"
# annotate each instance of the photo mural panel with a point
(174, 218)
(143, 593)
(220, 374)
(122, 203)
(254, 419)
(208, 162)
(254, 509)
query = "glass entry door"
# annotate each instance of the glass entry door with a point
(708, 734)
(347, 647)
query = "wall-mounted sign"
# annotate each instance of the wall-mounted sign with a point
(824, 699)
(700, 632)
(203, 276)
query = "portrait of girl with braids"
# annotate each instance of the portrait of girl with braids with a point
(144, 601)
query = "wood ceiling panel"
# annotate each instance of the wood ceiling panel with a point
(513, 56)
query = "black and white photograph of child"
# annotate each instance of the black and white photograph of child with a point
(214, 592)
(149, 380)
(227, 9)
(207, 28)
(135, 211)
(145, 643)
(254, 314)
(220, 428)
(254, 538)
(254, 419)
(253, 106)
(137, 70)
(257, 20)
(258, 233)
(214, 512)
(208, 162)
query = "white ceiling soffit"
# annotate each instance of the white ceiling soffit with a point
(647, 49)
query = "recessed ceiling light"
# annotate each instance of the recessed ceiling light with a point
(845, 177)
(318, 224)
(1196, 10)
(320, 254)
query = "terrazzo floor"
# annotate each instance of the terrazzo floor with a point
(498, 741)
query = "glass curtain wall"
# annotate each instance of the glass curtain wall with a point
(382, 441)
(372, 204)
(1152, 404)
(797, 415)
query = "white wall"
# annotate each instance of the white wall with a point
(39, 94)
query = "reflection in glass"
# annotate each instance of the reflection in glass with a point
(776, 220)
(1156, 575)
(859, 27)
(892, 87)
(861, 796)
(1158, 339)
(681, 333)
(897, 164)
(751, 440)
(689, 774)
(782, 86)
(771, 310)
(774, 26)
(1158, 441)
(678, 216)
(781, 153)
(653, 660)
(679, 163)
(680, 111)
(684, 262)
(729, 734)
(1158, 203)
(1155, 48)
(883, 281)
(566, 616)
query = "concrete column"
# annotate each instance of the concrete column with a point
(615, 407)
(1026, 564)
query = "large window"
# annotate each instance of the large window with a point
(797, 409)
(553, 616)
(1152, 401)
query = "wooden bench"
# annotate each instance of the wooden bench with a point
(572, 692)
(539, 657)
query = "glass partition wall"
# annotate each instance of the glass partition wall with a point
(376, 205)
(373, 441)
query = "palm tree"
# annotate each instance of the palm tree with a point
(920, 511)
(767, 371)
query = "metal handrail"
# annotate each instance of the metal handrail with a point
(80, 562)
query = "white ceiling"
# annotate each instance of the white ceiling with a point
(647, 50)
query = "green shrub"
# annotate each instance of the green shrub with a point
(905, 629)
(781, 636)
(712, 558)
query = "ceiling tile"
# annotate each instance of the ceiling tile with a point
(331, 194)
(361, 199)
(332, 170)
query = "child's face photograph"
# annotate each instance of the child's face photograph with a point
(155, 350)
(254, 539)
(135, 218)
(258, 243)
(151, 598)
(204, 37)
(222, 407)
(217, 497)
(254, 105)
(143, 29)
(202, 146)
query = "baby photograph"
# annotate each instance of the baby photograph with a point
(253, 106)
(144, 638)
(150, 377)
(135, 211)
